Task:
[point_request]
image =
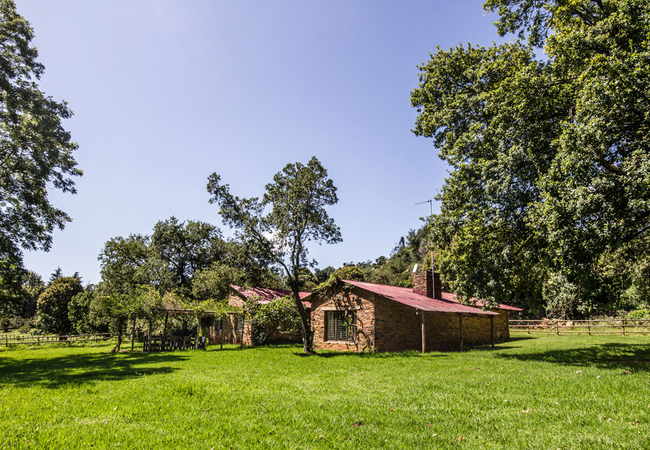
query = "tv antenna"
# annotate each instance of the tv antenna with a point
(430, 202)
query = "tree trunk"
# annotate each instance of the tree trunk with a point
(119, 339)
(305, 330)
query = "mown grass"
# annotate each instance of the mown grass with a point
(545, 392)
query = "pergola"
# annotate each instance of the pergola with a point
(178, 312)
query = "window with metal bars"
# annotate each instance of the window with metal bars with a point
(340, 325)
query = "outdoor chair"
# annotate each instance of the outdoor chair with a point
(155, 344)
(202, 342)
(187, 342)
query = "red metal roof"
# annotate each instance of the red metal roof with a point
(268, 294)
(452, 297)
(407, 297)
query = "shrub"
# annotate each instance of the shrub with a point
(52, 306)
(639, 314)
(279, 315)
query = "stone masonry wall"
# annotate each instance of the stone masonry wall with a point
(398, 327)
(230, 333)
(390, 326)
(365, 321)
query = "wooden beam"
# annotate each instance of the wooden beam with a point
(424, 335)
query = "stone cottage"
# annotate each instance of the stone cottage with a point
(233, 328)
(358, 316)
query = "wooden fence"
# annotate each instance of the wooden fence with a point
(9, 339)
(591, 327)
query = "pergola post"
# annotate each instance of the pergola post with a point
(460, 317)
(243, 324)
(198, 330)
(222, 331)
(424, 335)
(149, 340)
(492, 330)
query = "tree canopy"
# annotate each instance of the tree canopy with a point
(280, 225)
(35, 155)
(548, 152)
(36, 152)
(53, 303)
(190, 258)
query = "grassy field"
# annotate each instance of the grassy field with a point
(545, 392)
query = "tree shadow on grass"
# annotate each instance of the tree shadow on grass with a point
(627, 357)
(521, 338)
(80, 369)
(371, 355)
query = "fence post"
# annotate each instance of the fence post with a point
(589, 327)
(557, 328)
(623, 327)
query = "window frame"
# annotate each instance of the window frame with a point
(334, 319)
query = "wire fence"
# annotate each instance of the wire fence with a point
(590, 327)
(26, 339)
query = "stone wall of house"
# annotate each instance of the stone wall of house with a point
(501, 325)
(229, 332)
(398, 327)
(352, 301)
(388, 326)
(236, 301)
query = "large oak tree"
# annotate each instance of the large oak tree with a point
(547, 138)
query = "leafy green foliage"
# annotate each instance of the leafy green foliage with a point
(349, 273)
(297, 199)
(185, 248)
(35, 150)
(279, 316)
(397, 269)
(11, 273)
(79, 312)
(189, 258)
(52, 308)
(32, 287)
(125, 264)
(549, 156)
(214, 282)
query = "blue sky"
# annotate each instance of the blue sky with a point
(167, 92)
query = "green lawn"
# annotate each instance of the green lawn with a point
(544, 392)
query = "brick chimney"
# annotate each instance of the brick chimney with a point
(427, 283)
